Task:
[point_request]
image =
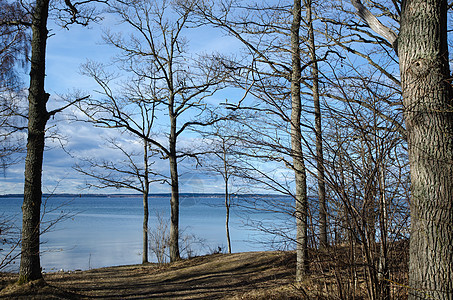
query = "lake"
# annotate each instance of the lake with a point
(100, 231)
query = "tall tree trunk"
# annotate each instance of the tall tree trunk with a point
(227, 217)
(323, 241)
(301, 205)
(145, 226)
(383, 267)
(30, 266)
(145, 203)
(174, 201)
(227, 198)
(427, 99)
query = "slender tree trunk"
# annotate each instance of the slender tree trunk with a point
(227, 218)
(370, 183)
(301, 205)
(145, 203)
(174, 201)
(227, 207)
(383, 268)
(226, 177)
(427, 99)
(30, 266)
(145, 227)
(323, 241)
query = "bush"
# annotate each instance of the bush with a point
(159, 241)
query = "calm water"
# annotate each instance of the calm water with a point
(106, 231)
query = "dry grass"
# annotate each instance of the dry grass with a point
(250, 275)
(209, 277)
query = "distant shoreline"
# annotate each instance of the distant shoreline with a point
(139, 195)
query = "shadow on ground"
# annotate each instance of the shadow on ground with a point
(217, 276)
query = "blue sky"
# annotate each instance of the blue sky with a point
(66, 51)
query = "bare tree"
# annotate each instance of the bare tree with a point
(167, 76)
(134, 115)
(370, 95)
(276, 74)
(425, 75)
(312, 50)
(220, 158)
(367, 174)
(128, 173)
(36, 18)
(296, 148)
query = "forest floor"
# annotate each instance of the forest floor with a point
(249, 275)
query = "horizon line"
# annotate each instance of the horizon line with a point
(136, 194)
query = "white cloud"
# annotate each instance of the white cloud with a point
(66, 51)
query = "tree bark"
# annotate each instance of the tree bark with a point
(323, 241)
(383, 267)
(226, 176)
(227, 217)
(301, 204)
(30, 266)
(374, 23)
(427, 99)
(145, 203)
(174, 201)
(145, 227)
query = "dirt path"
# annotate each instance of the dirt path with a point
(251, 275)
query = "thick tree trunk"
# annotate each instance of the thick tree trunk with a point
(30, 266)
(427, 99)
(145, 203)
(301, 205)
(174, 201)
(323, 241)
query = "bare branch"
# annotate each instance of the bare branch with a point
(55, 111)
(375, 24)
